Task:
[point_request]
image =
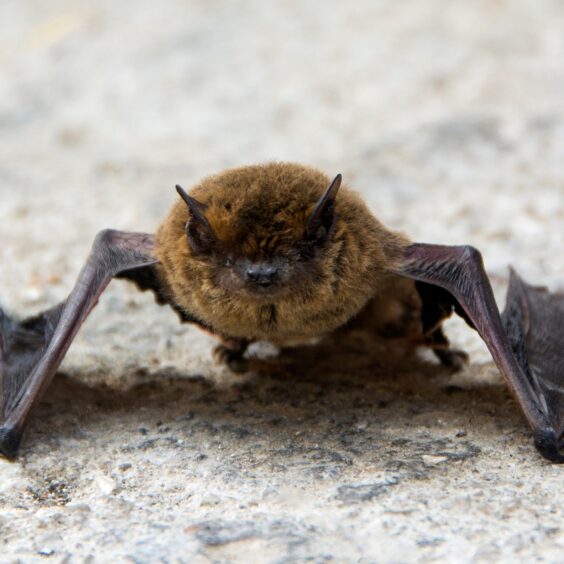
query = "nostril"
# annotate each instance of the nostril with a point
(270, 272)
(252, 273)
(262, 274)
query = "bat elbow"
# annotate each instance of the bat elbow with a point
(471, 254)
(105, 237)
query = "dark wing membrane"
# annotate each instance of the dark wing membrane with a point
(32, 350)
(534, 322)
(21, 346)
(460, 271)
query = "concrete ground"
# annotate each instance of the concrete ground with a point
(447, 117)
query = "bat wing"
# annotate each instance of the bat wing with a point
(527, 346)
(534, 322)
(32, 350)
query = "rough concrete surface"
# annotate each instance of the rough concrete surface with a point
(447, 116)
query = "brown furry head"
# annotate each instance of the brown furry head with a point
(270, 251)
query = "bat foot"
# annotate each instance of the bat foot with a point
(452, 358)
(547, 444)
(233, 359)
(10, 440)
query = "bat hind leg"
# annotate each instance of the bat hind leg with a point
(231, 353)
(439, 344)
(436, 306)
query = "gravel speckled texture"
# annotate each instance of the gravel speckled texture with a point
(447, 117)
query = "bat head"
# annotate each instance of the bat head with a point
(261, 236)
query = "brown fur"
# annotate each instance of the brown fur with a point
(260, 211)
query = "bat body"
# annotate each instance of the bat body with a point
(255, 223)
(277, 252)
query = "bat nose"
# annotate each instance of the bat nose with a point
(262, 274)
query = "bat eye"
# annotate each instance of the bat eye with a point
(200, 237)
(320, 236)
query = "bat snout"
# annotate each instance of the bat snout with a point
(262, 274)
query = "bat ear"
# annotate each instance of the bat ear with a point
(321, 219)
(200, 233)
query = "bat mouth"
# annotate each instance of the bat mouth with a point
(264, 291)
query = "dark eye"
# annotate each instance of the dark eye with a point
(319, 236)
(305, 250)
(200, 237)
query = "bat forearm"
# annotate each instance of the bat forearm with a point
(112, 252)
(460, 271)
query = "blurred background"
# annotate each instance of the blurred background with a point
(439, 112)
(448, 117)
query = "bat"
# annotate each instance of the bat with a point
(278, 252)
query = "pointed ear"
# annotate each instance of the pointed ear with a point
(198, 229)
(321, 219)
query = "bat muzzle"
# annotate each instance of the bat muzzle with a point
(263, 275)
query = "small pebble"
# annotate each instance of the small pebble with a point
(78, 506)
(432, 460)
(210, 499)
(106, 484)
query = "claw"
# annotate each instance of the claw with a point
(452, 358)
(547, 444)
(10, 440)
(234, 359)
